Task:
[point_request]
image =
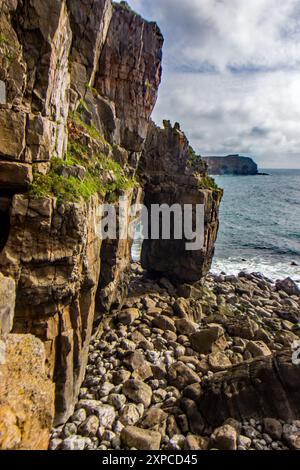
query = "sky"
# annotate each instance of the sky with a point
(231, 75)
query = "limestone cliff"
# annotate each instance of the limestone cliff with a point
(231, 165)
(81, 80)
(26, 394)
(172, 174)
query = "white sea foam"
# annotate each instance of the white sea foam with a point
(279, 270)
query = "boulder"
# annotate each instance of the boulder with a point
(90, 426)
(273, 427)
(73, 443)
(196, 443)
(164, 323)
(209, 340)
(154, 417)
(185, 327)
(180, 375)
(258, 349)
(130, 415)
(105, 413)
(141, 439)
(224, 438)
(128, 316)
(138, 391)
(218, 362)
(134, 360)
(234, 393)
(181, 307)
(288, 286)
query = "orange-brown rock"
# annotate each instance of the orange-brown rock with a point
(26, 396)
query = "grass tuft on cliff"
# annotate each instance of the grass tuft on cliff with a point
(90, 129)
(102, 175)
(207, 182)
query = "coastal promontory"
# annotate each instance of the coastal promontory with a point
(231, 165)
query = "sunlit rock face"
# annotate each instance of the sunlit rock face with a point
(76, 74)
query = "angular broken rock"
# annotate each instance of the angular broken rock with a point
(105, 413)
(181, 307)
(196, 442)
(233, 393)
(164, 323)
(291, 435)
(180, 375)
(138, 391)
(185, 327)
(288, 286)
(218, 362)
(73, 443)
(128, 316)
(90, 426)
(209, 340)
(258, 349)
(224, 438)
(141, 439)
(130, 415)
(134, 360)
(143, 373)
(154, 417)
(273, 427)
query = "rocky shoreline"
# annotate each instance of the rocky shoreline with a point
(168, 364)
(152, 364)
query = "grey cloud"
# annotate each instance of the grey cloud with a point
(231, 75)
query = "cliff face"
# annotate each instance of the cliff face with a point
(76, 76)
(172, 176)
(231, 165)
(81, 80)
(26, 394)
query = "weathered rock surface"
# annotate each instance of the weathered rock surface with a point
(140, 439)
(57, 277)
(26, 395)
(82, 73)
(172, 177)
(7, 304)
(288, 286)
(224, 438)
(266, 387)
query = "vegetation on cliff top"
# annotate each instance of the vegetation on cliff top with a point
(196, 163)
(208, 183)
(101, 175)
(83, 172)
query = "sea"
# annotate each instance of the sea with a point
(259, 225)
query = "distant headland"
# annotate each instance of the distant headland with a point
(232, 165)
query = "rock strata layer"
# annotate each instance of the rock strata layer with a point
(26, 393)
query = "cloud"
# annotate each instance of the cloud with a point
(232, 75)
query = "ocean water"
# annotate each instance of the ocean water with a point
(259, 225)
